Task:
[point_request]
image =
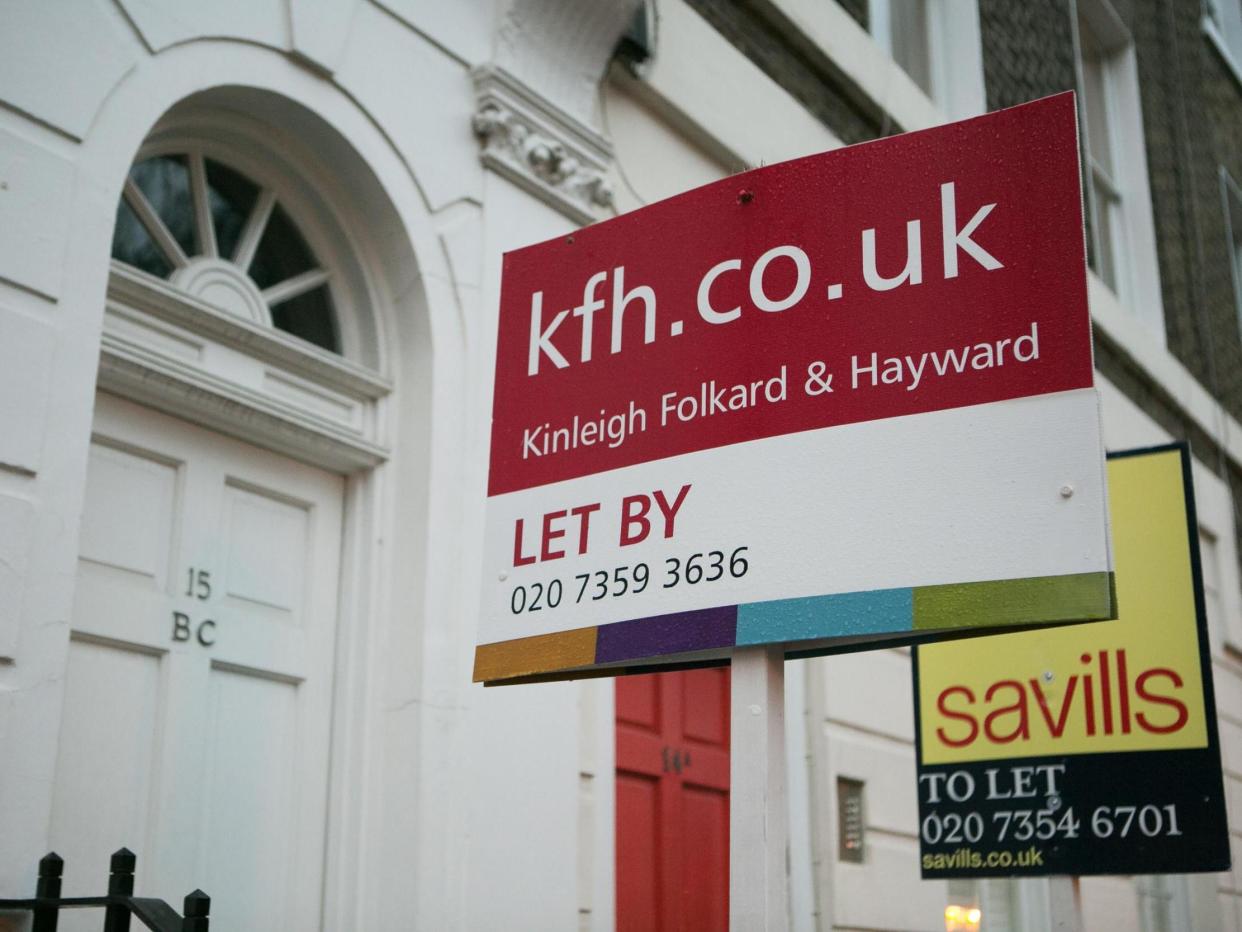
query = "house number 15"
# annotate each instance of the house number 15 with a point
(197, 586)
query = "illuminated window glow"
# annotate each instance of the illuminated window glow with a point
(962, 918)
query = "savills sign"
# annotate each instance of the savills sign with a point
(1095, 744)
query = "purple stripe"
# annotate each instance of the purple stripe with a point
(667, 634)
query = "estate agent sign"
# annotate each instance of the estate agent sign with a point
(839, 400)
(1091, 749)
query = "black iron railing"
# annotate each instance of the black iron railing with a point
(118, 906)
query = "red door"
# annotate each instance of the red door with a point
(673, 802)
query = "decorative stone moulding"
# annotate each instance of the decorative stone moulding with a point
(224, 285)
(540, 147)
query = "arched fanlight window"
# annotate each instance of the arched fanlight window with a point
(216, 234)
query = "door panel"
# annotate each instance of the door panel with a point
(266, 544)
(120, 486)
(705, 706)
(638, 703)
(672, 735)
(114, 690)
(247, 804)
(638, 853)
(705, 826)
(196, 726)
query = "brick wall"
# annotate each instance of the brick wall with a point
(1192, 113)
(1028, 50)
(1192, 119)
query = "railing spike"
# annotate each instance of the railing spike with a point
(196, 907)
(119, 904)
(45, 918)
(120, 884)
(123, 861)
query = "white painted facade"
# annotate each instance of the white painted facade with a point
(414, 142)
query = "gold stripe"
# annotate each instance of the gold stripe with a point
(542, 653)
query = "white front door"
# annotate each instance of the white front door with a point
(197, 714)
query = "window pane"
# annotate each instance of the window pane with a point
(1226, 16)
(132, 244)
(165, 180)
(1105, 238)
(964, 912)
(1237, 264)
(310, 317)
(1212, 601)
(231, 198)
(1233, 201)
(1095, 97)
(282, 252)
(911, 43)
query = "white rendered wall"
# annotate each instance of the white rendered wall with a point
(440, 789)
(50, 319)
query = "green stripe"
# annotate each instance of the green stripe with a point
(1078, 597)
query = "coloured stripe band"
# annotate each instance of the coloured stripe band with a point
(921, 610)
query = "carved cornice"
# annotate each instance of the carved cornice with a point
(540, 147)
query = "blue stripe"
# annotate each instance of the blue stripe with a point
(879, 611)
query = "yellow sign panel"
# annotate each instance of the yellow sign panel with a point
(1133, 684)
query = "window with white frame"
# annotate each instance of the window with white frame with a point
(1123, 245)
(1209, 563)
(963, 912)
(216, 233)
(982, 905)
(909, 31)
(1222, 21)
(1162, 904)
(1214, 12)
(937, 44)
(1110, 251)
(235, 297)
(1231, 195)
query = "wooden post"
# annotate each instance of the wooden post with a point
(1063, 900)
(758, 816)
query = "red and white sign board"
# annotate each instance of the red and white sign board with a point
(842, 399)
